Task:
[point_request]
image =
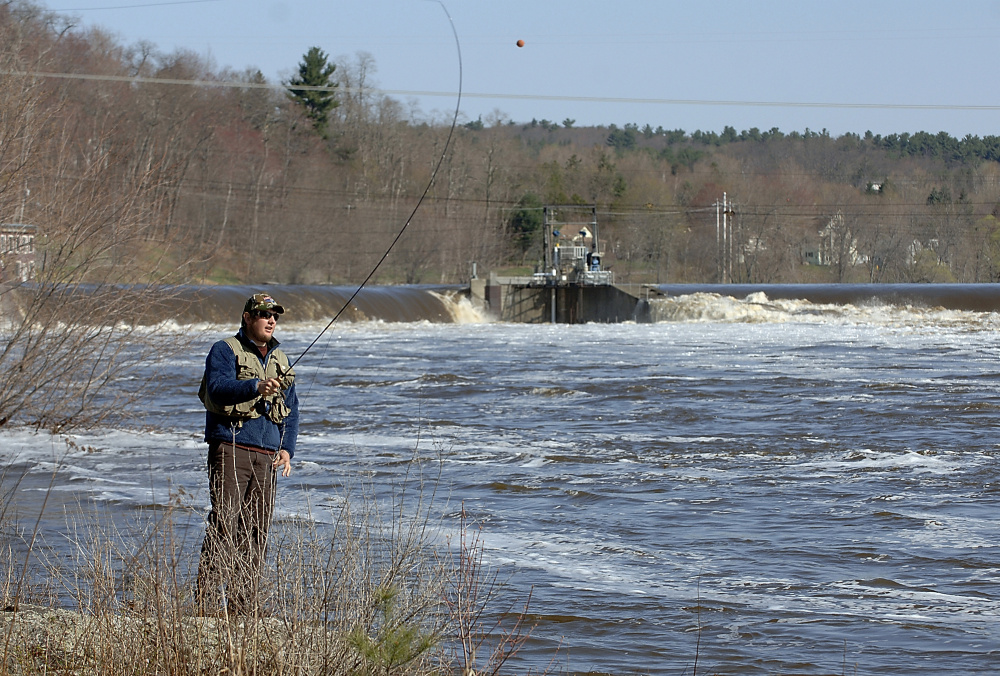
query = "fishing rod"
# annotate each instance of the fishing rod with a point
(430, 184)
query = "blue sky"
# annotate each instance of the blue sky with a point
(882, 65)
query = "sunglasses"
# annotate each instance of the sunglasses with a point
(264, 314)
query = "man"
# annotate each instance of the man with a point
(251, 424)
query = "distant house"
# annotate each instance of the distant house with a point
(17, 252)
(584, 237)
(834, 240)
(916, 248)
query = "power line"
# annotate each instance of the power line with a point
(137, 6)
(302, 200)
(507, 96)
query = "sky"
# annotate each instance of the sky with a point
(884, 66)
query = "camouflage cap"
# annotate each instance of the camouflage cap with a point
(262, 301)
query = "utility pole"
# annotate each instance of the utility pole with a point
(724, 240)
(720, 240)
(726, 278)
(718, 262)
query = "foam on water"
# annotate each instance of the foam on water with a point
(866, 459)
(812, 487)
(757, 308)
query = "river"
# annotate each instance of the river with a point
(767, 485)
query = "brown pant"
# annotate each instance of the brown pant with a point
(241, 485)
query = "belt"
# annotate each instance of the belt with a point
(253, 449)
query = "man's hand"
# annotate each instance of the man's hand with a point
(266, 388)
(284, 461)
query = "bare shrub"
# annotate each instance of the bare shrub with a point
(70, 335)
(378, 591)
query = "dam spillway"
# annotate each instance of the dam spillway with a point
(526, 300)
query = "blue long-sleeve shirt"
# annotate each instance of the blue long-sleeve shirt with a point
(226, 389)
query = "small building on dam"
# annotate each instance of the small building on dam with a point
(572, 287)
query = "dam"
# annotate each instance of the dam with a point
(526, 300)
(572, 287)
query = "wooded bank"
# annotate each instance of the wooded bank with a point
(219, 176)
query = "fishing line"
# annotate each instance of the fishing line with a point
(423, 195)
(273, 471)
(430, 184)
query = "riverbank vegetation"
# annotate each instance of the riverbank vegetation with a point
(194, 172)
(376, 586)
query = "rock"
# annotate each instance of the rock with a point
(42, 639)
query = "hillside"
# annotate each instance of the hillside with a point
(154, 167)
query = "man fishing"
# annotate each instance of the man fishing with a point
(251, 424)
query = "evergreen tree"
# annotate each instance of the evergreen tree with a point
(526, 222)
(315, 71)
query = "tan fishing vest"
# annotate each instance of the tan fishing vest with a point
(249, 367)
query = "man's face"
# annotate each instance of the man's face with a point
(260, 325)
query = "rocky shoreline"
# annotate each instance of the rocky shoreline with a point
(36, 639)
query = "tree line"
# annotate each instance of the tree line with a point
(233, 178)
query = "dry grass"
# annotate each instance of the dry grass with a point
(377, 591)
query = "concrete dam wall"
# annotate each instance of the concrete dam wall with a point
(517, 300)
